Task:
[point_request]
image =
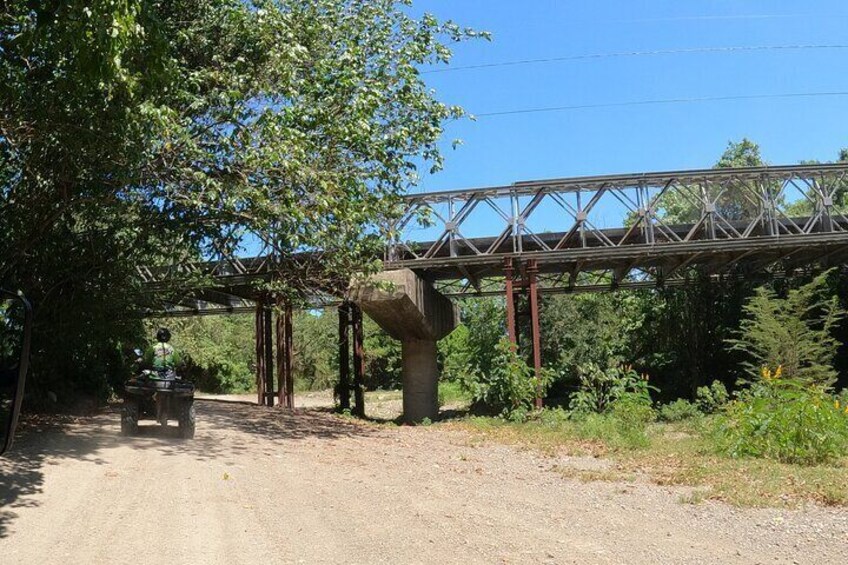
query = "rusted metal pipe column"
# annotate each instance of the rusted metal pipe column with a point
(268, 340)
(532, 272)
(344, 356)
(283, 354)
(510, 302)
(358, 361)
(289, 356)
(260, 354)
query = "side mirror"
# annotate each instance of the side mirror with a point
(15, 340)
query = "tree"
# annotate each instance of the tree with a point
(142, 132)
(794, 334)
(681, 341)
(684, 207)
(803, 206)
(219, 351)
(589, 328)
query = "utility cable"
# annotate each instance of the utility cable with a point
(621, 54)
(665, 101)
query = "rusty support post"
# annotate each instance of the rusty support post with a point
(358, 362)
(289, 356)
(532, 272)
(344, 356)
(510, 301)
(268, 340)
(260, 354)
(281, 353)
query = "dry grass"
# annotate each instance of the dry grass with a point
(677, 454)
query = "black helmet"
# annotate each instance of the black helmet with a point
(163, 335)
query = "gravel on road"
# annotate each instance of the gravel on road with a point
(260, 485)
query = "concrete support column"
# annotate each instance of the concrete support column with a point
(420, 379)
(409, 309)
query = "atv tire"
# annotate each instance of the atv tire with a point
(186, 419)
(129, 418)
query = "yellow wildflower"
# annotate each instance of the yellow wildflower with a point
(778, 372)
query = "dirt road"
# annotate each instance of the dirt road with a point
(260, 486)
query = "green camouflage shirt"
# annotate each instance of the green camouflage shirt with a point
(162, 356)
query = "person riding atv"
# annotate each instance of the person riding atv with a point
(157, 391)
(162, 357)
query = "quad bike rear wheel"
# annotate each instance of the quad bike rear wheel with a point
(186, 419)
(129, 418)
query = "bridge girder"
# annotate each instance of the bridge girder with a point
(563, 227)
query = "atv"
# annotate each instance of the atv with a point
(160, 395)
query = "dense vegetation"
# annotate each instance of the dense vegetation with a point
(143, 132)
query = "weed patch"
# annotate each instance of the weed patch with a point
(675, 454)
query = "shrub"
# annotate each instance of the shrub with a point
(679, 410)
(600, 388)
(634, 409)
(625, 425)
(788, 420)
(788, 413)
(452, 392)
(795, 333)
(710, 399)
(511, 386)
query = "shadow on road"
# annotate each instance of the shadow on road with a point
(225, 430)
(43, 441)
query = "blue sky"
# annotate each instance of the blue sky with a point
(504, 149)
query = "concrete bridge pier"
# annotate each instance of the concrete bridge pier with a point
(410, 310)
(420, 379)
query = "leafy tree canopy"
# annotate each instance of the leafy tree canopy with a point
(683, 207)
(155, 131)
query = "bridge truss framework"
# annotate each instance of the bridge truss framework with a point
(556, 236)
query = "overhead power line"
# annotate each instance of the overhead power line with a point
(621, 54)
(728, 17)
(665, 101)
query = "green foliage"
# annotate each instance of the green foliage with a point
(710, 399)
(623, 426)
(456, 355)
(219, 352)
(149, 133)
(733, 204)
(788, 412)
(511, 386)
(570, 342)
(794, 333)
(786, 419)
(600, 389)
(486, 322)
(382, 359)
(682, 340)
(453, 392)
(679, 410)
(315, 343)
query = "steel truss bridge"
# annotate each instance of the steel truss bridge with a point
(734, 221)
(562, 235)
(585, 234)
